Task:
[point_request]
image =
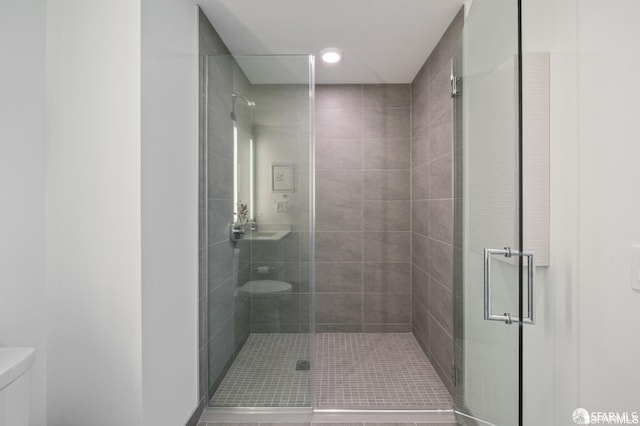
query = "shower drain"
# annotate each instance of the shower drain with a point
(303, 365)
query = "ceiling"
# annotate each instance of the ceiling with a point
(383, 41)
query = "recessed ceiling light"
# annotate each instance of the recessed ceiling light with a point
(331, 55)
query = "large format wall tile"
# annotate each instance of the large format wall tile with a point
(420, 286)
(339, 277)
(339, 215)
(441, 349)
(441, 218)
(420, 324)
(432, 218)
(338, 154)
(338, 123)
(420, 182)
(363, 210)
(220, 264)
(440, 93)
(387, 308)
(386, 95)
(441, 305)
(387, 247)
(343, 185)
(216, 142)
(339, 308)
(220, 177)
(419, 146)
(440, 265)
(387, 215)
(441, 178)
(388, 123)
(264, 314)
(220, 214)
(220, 307)
(387, 185)
(339, 246)
(387, 278)
(420, 251)
(387, 154)
(441, 135)
(420, 216)
(339, 96)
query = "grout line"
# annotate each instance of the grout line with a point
(362, 211)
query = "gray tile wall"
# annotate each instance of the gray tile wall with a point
(220, 288)
(363, 208)
(280, 126)
(210, 43)
(432, 205)
(223, 313)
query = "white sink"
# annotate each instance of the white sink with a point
(263, 234)
(268, 235)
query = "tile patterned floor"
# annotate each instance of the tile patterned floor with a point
(354, 371)
(264, 374)
(376, 371)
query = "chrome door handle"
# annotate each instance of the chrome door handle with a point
(506, 317)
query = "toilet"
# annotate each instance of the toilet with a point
(271, 294)
(270, 289)
(15, 385)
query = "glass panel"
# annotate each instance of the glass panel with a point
(487, 213)
(258, 147)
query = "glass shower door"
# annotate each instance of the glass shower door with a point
(489, 281)
(256, 185)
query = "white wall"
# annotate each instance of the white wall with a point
(551, 346)
(609, 96)
(93, 231)
(588, 335)
(22, 133)
(169, 210)
(121, 210)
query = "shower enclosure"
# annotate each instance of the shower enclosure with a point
(392, 313)
(272, 335)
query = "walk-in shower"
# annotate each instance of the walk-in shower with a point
(329, 237)
(309, 242)
(308, 288)
(317, 285)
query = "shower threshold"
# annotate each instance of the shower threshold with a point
(299, 415)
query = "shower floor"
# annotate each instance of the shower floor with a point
(264, 374)
(353, 371)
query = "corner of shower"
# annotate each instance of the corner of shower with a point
(256, 232)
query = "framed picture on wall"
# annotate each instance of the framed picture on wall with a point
(282, 177)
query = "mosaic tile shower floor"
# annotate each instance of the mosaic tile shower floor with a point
(264, 374)
(354, 371)
(376, 370)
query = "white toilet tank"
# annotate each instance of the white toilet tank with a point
(15, 385)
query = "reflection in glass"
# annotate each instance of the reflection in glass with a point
(258, 288)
